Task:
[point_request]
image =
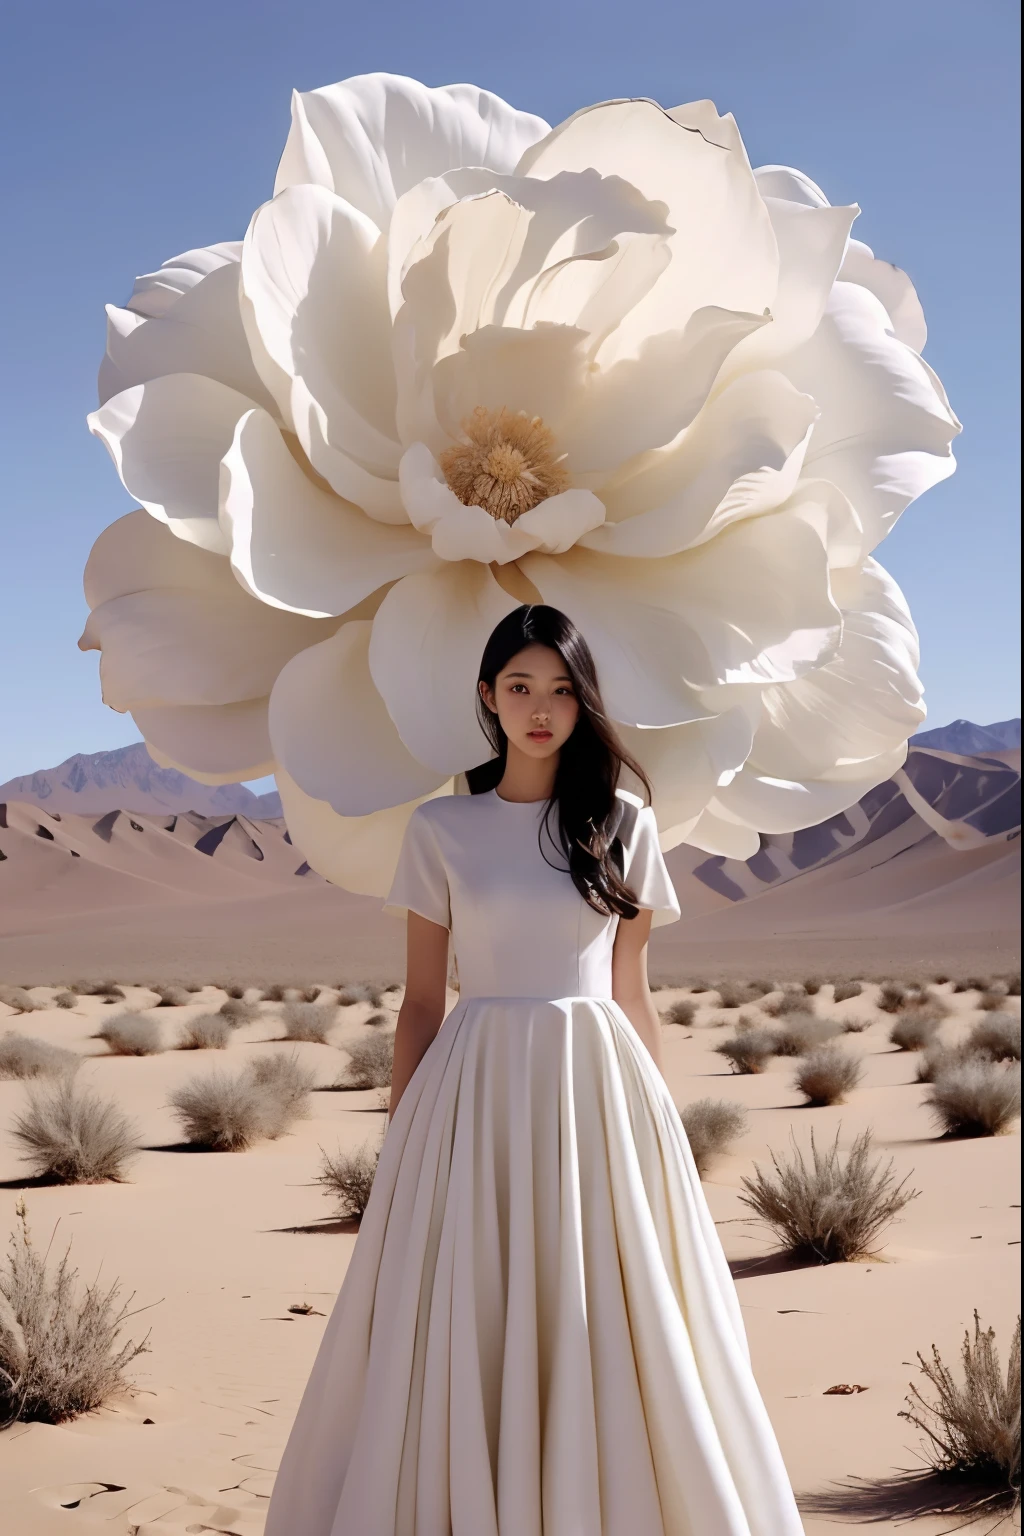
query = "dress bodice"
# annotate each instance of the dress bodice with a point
(486, 869)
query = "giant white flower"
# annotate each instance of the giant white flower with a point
(460, 361)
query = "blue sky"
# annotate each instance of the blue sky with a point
(134, 132)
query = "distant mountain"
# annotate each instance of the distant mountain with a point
(968, 739)
(127, 779)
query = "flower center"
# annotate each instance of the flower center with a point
(506, 465)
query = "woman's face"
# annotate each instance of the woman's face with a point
(534, 700)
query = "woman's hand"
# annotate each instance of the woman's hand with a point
(630, 988)
(422, 1010)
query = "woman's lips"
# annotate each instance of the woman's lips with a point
(540, 735)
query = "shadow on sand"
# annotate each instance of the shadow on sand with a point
(911, 1495)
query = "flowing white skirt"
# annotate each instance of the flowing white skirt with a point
(538, 1334)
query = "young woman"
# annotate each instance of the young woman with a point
(538, 1334)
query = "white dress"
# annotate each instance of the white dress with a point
(538, 1334)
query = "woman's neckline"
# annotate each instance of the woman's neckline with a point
(502, 801)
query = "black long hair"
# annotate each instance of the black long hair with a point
(589, 763)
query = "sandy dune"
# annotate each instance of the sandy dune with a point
(217, 1247)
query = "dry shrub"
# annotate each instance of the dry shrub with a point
(892, 997)
(803, 1032)
(843, 991)
(97, 989)
(370, 1062)
(261, 1102)
(208, 1032)
(854, 1026)
(914, 1029)
(827, 1075)
(359, 992)
(997, 1038)
(749, 1050)
(59, 1355)
(974, 1097)
(990, 1002)
(173, 997)
(131, 1034)
(235, 992)
(684, 1012)
(376, 1020)
(977, 984)
(937, 1056)
(24, 1056)
(711, 1126)
(813, 985)
(972, 1427)
(700, 986)
(65, 999)
(239, 1010)
(309, 1021)
(832, 1210)
(1013, 985)
(70, 1135)
(788, 1005)
(348, 1176)
(19, 999)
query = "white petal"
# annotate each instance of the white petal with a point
(885, 427)
(174, 625)
(372, 137)
(428, 638)
(892, 288)
(461, 532)
(686, 763)
(200, 332)
(213, 743)
(741, 457)
(167, 439)
(781, 805)
(297, 546)
(155, 293)
(782, 181)
(359, 853)
(347, 753)
(717, 834)
(723, 251)
(314, 305)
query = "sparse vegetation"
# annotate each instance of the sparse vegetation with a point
(974, 1097)
(239, 1010)
(736, 994)
(803, 1032)
(854, 1025)
(360, 992)
(65, 999)
(59, 1355)
(370, 1062)
(23, 1056)
(309, 1021)
(892, 996)
(1013, 985)
(173, 997)
(235, 992)
(18, 999)
(827, 1208)
(995, 999)
(711, 1126)
(843, 991)
(972, 1426)
(377, 1020)
(913, 1030)
(813, 985)
(789, 1005)
(937, 1056)
(997, 1038)
(70, 1135)
(348, 1177)
(229, 1113)
(98, 989)
(131, 1034)
(683, 1012)
(750, 1050)
(207, 1032)
(827, 1075)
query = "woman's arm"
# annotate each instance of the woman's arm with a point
(630, 987)
(419, 1018)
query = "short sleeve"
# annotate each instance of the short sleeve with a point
(646, 873)
(421, 882)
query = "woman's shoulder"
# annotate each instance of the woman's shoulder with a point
(442, 811)
(632, 814)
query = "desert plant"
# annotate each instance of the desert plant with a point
(683, 1012)
(827, 1075)
(997, 1037)
(813, 985)
(789, 1005)
(70, 1135)
(131, 1034)
(173, 997)
(24, 1056)
(18, 999)
(309, 1021)
(913, 1030)
(700, 986)
(348, 1176)
(1013, 985)
(59, 1355)
(749, 1050)
(711, 1126)
(854, 1026)
(892, 996)
(832, 1210)
(843, 991)
(972, 1427)
(370, 1062)
(736, 994)
(990, 1002)
(974, 1097)
(359, 992)
(235, 992)
(207, 1032)
(376, 1020)
(65, 999)
(97, 989)
(239, 1010)
(229, 1113)
(977, 984)
(936, 1057)
(803, 1032)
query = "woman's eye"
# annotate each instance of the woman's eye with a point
(519, 688)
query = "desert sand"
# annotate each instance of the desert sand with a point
(217, 1247)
